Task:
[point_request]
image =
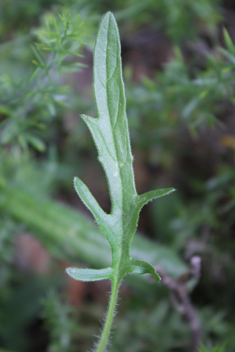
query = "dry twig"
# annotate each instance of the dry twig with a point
(181, 300)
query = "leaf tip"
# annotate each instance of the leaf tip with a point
(87, 118)
(83, 116)
(172, 190)
(70, 271)
(157, 277)
(75, 181)
(108, 16)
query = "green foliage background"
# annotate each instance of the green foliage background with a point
(181, 118)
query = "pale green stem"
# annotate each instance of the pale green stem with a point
(109, 318)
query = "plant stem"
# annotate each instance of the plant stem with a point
(109, 318)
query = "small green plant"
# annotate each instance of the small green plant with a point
(214, 349)
(30, 102)
(110, 133)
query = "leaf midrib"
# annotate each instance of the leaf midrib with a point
(120, 217)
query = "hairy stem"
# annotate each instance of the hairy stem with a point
(109, 317)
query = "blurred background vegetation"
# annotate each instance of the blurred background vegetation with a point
(179, 66)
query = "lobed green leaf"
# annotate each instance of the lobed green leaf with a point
(111, 136)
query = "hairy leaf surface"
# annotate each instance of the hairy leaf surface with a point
(111, 136)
